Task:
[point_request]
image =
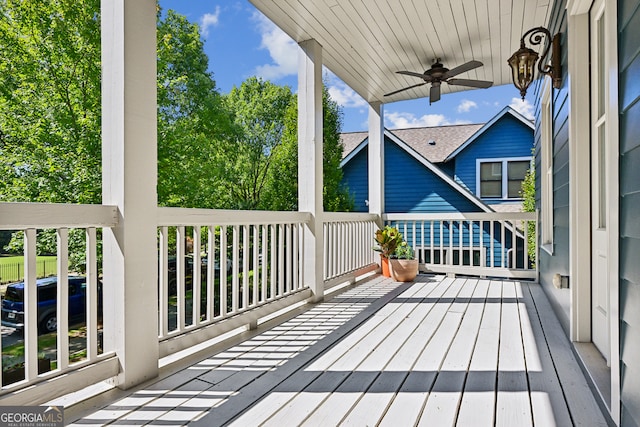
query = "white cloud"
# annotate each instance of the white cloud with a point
(282, 49)
(523, 107)
(466, 105)
(209, 20)
(341, 93)
(401, 120)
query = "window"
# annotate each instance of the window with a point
(491, 179)
(502, 178)
(516, 173)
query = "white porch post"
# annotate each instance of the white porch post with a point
(376, 159)
(310, 162)
(129, 177)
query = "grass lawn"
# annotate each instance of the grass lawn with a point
(12, 267)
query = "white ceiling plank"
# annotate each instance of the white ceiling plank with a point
(482, 37)
(366, 41)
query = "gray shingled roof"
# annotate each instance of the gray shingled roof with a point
(447, 139)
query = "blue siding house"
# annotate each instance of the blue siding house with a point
(463, 168)
(442, 172)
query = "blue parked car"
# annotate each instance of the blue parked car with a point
(13, 303)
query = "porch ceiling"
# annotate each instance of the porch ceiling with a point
(366, 41)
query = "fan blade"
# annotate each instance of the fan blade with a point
(426, 77)
(434, 94)
(464, 67)
(473, 83)
(402, 90)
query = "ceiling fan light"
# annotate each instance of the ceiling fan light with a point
(522, 64)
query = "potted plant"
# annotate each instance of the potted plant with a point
(404, 265)
(387, 240)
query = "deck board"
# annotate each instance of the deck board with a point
(440, 351)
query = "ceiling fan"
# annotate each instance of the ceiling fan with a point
(438, 74)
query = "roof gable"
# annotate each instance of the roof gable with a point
(487, 126)
(436, 170)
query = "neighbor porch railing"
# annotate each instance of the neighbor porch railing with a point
(486, 244)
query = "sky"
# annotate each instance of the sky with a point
(241, 42)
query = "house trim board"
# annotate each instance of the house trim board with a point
(579, 181)
(613, 156)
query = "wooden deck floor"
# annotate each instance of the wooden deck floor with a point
(437, 352)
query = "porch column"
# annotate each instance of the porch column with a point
(129, 177)
(376, 159)
(310, 162)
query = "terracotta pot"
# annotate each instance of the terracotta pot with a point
(404, 270)
(384, 264)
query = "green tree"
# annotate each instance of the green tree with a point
(50, 143)
(282, 187)
(192, 119)
(259, 109)
(50, 101)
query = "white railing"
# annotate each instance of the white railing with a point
(223, 269)
(348, 242)
(485, 244)
(63, 370)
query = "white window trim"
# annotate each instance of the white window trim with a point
(546, 169)
(505, 186)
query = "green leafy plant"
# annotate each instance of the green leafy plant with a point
(387, 240)
(528, 194)
(404, 251)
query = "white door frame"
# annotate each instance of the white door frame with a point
(579, 182)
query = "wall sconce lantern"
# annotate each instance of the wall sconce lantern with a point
(523, 61)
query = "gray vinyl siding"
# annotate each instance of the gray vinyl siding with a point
(558, 262)
(629, 95)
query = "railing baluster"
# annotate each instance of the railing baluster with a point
(460, 242)
(264, 261)
(245, 266)
(62, 304)
(92, 294)
(503, 242)
(211, 270)
(223, 271)
(197, 275)
(281, 244)
(514, 245)
(273, 260)
(525, 251)
(236, 269)
(296, 259)
(30, 306)
(491, 233)
(255, 265)
(483, 257)
(180, 275)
